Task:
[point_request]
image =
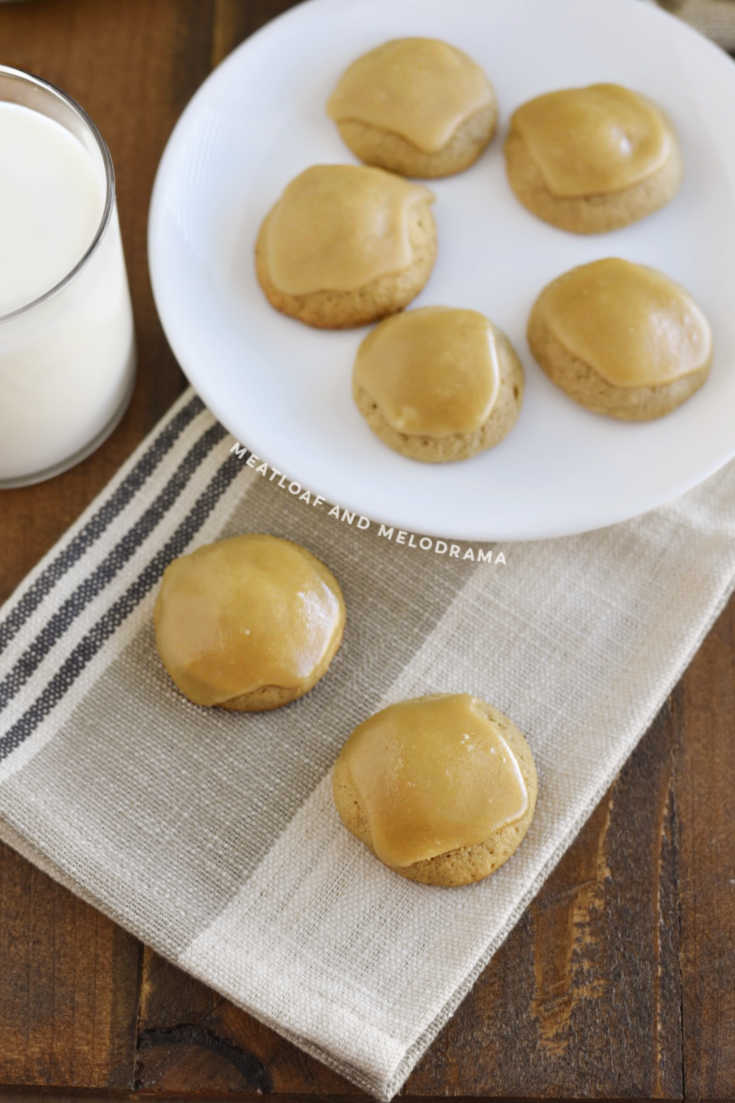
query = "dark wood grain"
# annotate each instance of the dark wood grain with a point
(618, 983)
(585, 995)
(67, 975)
(68, 987)
(170, 1000)
(705, 795)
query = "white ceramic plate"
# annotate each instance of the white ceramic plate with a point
(284, 389)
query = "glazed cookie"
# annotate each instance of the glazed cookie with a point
(417, 106)
(442, 789)
(592, 159)
(621, 339)
(438, 384)
(346, 245)
(249, 623)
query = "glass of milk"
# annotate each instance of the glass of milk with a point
(67, 347)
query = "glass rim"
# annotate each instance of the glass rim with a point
(46, 86)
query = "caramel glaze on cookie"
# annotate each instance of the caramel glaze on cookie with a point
(441, 788)
(592, 159)
(346, 245)
(621, 339)
(438, 383)
(249, 623)
(416, 106)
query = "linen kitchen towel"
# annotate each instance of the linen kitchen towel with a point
(715, 18)
(212, 836)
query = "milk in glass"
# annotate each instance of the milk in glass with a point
(67, 356)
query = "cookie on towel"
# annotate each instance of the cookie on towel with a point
(249, 623)
(441, 788)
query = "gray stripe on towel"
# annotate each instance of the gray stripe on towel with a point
(207, 761)
(98, 522)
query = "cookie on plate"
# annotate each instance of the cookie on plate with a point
(442, 788)
(416, 106)
(249, 623)
(346, 245)
(621, 339)
(592, 159)
(438, 383)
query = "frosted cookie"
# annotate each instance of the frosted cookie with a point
(621, 339)
(442, 789)
(417, 106)
(250, 623)
(438, 384)
(346, 245)
(592, 159)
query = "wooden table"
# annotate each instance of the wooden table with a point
(619, 981)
